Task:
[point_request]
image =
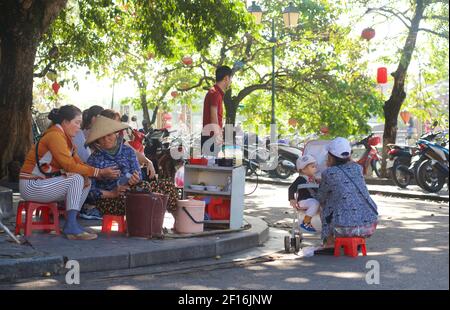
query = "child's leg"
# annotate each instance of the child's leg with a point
(312, 208)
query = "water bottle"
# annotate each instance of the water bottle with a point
(123, 180)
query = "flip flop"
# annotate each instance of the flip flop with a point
(83, 236)
(324, 251)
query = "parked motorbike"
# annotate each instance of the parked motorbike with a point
(432, 172)
(370, 158)
(287, 159)
(157, 148)
(398, 163)
(403, 161)
(257, 156)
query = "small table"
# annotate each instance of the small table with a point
(215, 175)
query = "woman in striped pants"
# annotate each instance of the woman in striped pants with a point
(53, 171)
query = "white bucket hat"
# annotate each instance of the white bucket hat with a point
(340, 147)
(104, 126)
(304, 161)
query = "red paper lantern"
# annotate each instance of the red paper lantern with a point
(56, 87)
(167, 116)
(382, 77)
(187, 60)
(168, 125)
(174, 94)
(368, 34)
(406, 116)
(292, 122)
(324, 130)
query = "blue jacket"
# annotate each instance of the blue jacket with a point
(342, 203)
(125, 159)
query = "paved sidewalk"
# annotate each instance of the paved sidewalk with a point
(48, 253)
(411, 246)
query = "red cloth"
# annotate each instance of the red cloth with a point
(214, 97)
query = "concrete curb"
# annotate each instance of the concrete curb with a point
(371, 191)
(123, 257)
(13, 269)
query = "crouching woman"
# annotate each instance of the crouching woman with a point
(348, 210)
(53, 171)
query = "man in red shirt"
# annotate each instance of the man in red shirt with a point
(213, 111)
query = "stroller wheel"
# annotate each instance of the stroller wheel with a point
(299, 235)
(298, 240)
(287, 244)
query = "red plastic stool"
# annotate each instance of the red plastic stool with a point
(350, 245)
(108, 221)
(44, 224)
(61, 212)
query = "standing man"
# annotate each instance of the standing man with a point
(213, 111)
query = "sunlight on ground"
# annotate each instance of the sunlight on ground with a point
(419, 225)
(37, 284)
(123, 287)
(406, 269)
(341, 275)
(389, 251)
(198, 287)
(256, 268)
(297, 280)
(426, 249)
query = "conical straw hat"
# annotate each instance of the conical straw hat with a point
(104, 126)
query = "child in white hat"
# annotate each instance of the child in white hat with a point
(306, 188)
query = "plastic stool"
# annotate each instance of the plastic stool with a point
(44, 224)
(61, 211)
(350, 245)
(108, 221)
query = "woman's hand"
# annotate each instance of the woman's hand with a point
(109, 173)
(150, 168)
(134, 179)
(87, 182)
(294, 204)
(120, 190)
(145, 162)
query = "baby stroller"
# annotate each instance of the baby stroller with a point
(318, 149)
(292, 242)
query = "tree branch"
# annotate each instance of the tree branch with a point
(442, 35)
(438, 17)
(44, 71)
(397, 14)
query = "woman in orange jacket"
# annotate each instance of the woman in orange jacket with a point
(53, 171)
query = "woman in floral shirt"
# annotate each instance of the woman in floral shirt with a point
(347, 208)
(109, 151)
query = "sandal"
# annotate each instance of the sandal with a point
(83, 236)
(324, 251)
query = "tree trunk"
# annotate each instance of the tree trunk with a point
(22, 24)
(393, 105)
(142, 85)
(231, 106)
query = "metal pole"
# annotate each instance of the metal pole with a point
(112, 95)
(273, 133)
(274, 40)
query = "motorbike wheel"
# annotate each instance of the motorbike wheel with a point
(250, 169)
(429, 178)
(401, 175)
(281, 172)
(376, 167)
